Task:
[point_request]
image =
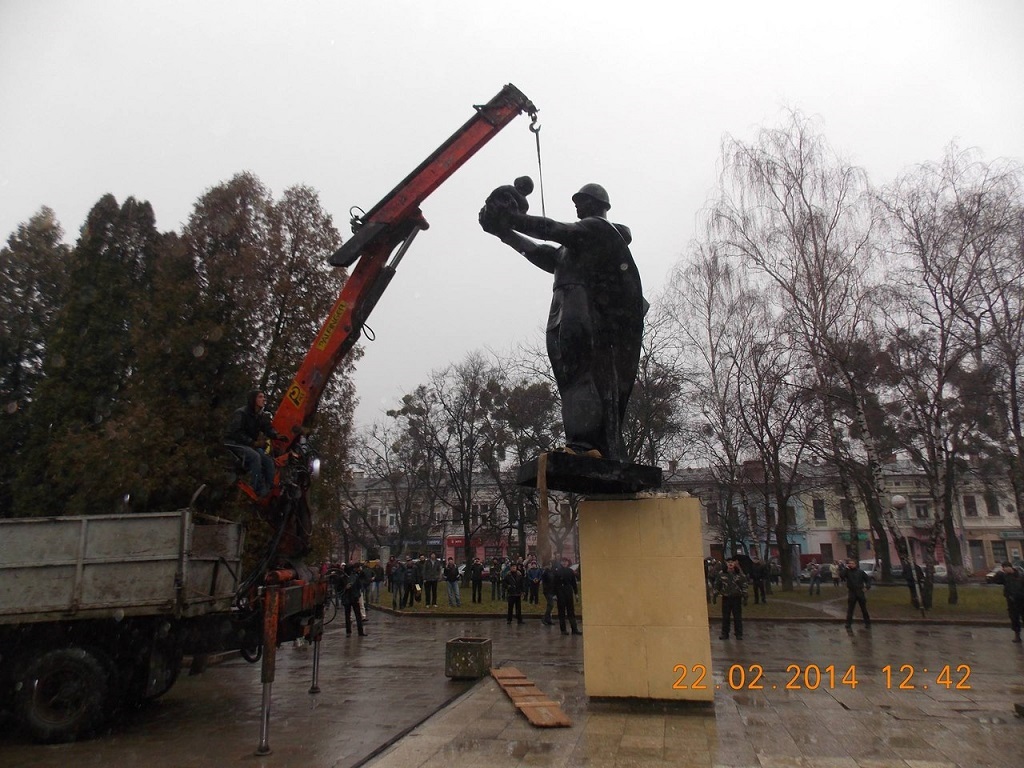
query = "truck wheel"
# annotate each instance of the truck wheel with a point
(156, 674)
(63, 694)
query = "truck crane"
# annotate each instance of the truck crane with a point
(90, 649)
(381, 237)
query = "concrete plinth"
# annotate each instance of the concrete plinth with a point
(646, 620)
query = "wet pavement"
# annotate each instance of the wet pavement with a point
(384, 702)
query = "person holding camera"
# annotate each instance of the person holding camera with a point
(731, 584)
(1013, 591)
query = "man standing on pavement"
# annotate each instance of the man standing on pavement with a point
(515, 583)
(533, 574)
(431, 575)
(408, 582)
(547, 582)
(476, 580)
(495, 578)
(1013, 591)
(731, 584)
(451, 577)
(857, 584)
(397, 578)
(815, 578)
(759, 579)
(565, 592)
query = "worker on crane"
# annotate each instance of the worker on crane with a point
(248, 436)
(595, 324)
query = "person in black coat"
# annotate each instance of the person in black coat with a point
(514, 586)
(547, 582)
(350, 592)
(476, 580)
(1013, 591)
(566, 589)
(857, 585)
(759, 580)
(249, 429)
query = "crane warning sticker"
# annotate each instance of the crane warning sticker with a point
(330, 325)
(296, 395)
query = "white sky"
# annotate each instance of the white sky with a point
(165, 100)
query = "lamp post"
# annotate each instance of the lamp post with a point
(899, 502)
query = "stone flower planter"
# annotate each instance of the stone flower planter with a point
(467, 657)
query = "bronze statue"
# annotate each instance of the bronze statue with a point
(595, 324)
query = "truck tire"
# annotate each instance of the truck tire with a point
(64, 694)
(155, 674)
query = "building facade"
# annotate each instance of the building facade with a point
(736, 516)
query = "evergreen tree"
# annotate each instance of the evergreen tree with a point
(90, 357)
(33, 270)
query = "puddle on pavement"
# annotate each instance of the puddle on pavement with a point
(520, 749)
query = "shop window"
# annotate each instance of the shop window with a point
(998, 551)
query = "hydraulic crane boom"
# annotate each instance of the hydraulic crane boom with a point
(391, 224)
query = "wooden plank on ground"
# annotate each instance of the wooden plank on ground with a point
(525, 695)
(546, 717)
(506, 673)
(535, 705)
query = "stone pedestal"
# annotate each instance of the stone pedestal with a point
(645, 631)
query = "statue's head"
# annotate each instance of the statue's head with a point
(592, 199)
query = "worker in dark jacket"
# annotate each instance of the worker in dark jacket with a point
(248, 432)
(476, 580)
(565, 592)
(857, 585)
(1013, 591)
(547, 581)
(408, 583)
(351, 590)
(515, 584)
(731, 584)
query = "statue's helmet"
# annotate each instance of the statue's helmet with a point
(594, 192)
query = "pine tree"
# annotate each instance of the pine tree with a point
(33, 269)
(90, 358)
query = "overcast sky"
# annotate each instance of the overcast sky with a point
(165, 100)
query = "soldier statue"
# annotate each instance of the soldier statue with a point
(595, 325)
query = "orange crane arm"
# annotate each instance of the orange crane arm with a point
(391, 224)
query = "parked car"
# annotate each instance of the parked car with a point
(941, 574)
(805, 574)
(870, 567)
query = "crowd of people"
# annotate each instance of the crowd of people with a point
(733, 580)
(411, 581)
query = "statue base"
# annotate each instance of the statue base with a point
(645, 627)
(587, 475)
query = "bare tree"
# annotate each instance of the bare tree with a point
(393, 483)
(706, 301)
(941, 229)
(804, 218)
